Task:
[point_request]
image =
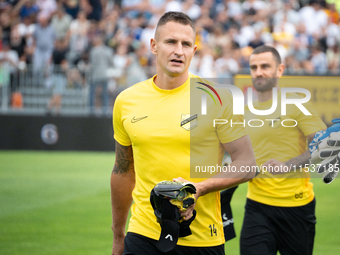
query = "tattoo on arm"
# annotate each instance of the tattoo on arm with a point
(124, 159)
(300, 160)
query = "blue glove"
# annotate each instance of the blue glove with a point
(325, 151)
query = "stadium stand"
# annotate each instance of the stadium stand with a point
(45, 44)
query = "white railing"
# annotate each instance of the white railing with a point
(26, 91)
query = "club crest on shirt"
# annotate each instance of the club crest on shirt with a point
(188, 121)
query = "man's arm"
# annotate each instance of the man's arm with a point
(17, 8)
(122, 184)
(242, 155)
(293, 163)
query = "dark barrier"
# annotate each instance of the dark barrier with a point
(56, 133)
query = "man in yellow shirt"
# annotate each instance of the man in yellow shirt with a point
(280, 207)
(157, 138)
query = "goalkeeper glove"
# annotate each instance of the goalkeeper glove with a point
(166, 197)
(325, 151)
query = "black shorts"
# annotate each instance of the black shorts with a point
(135, 244)
(268, 229)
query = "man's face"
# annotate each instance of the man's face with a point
(43, 20)
(174, 46)
(264, 71)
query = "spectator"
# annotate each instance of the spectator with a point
(205, 19)
(18, 43)
(173, 5)
(218, 38)
(44, 37)
(157, 7)
(244, 58)
(10, 63)
(6, 6)
(257, 41)
(6, 27)
(74, 79)
(71, 7)
(121, 59)
(191, 9)
(292, 66)
(283, 51)
(333, 59)
(292, 16)
(313, 17)
(80, 25)
(226, 66)
(219, 24)
(10, 57)
(137, 64)
(4, 83)
(234, 9)
(26, 8)
(332, 33)
(47, 7)
(112, 24)
(149, 31)
(237, 38)
(100, 60)
(134, 8)
(336, 4)
(93, 9)
(333, 14)
(136, 29)
(61, 23)
(252, 7)
(206, 64)
(59, 76)
(308, 67)
(26, 29)
(222, 19)
(78, 44)
(93, 31)
(284, 31)
(319, 60)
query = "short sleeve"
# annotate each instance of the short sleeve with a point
(120, 134)
(309, 124)
(235, 126)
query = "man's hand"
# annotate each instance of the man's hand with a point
(186, 215)
(118, 245)
(275, 166)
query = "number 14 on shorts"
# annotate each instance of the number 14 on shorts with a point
(213, 230)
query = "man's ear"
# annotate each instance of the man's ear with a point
(280, 70)
(153, 46)
(195, 49)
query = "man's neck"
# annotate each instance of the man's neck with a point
(264, 96)
(166, 82)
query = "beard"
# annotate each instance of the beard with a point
(264, 84)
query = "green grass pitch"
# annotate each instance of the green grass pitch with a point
(59, 203)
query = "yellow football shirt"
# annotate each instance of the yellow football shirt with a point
(152, 120)
(280, 140)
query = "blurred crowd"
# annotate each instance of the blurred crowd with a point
(106, 43)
